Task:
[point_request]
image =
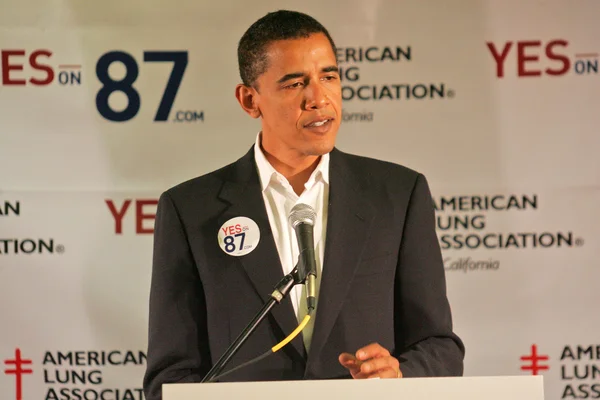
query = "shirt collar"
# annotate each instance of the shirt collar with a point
(268, 174)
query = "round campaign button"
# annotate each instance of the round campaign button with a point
(238, 236)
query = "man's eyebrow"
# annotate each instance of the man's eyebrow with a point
(287, 77)
(295, 75)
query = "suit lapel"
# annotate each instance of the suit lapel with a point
(263, 267)
(348, 223)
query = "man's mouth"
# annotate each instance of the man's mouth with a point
(318, 123)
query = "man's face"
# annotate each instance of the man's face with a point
(300, 97)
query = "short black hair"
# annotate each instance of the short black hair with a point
(278, 25)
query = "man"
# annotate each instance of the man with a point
(382, 308)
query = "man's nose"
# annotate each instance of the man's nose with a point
(316, 97)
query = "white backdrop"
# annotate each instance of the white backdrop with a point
(64, 166)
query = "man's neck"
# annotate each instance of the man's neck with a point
(296, 170)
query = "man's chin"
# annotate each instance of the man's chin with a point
(320, 149)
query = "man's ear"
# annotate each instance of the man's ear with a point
(247, 97)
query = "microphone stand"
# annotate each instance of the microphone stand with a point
(279, 292)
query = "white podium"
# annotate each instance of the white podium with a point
(463, 388)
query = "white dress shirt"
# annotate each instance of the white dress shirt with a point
(279, 197)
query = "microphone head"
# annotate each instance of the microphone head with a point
(302, 214)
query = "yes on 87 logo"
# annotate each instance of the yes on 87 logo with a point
(238, 236)
(125, 85)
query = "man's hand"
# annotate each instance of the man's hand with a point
(372, 361)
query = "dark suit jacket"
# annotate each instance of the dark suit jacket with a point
(383, 279)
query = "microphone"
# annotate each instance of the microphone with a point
(302, 218)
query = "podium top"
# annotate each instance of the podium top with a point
(461, 388)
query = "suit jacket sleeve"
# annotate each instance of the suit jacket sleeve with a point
(177, 338)
(426, 344)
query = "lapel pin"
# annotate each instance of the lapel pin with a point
(238, 236)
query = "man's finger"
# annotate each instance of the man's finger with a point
(347, 357)
(350, 362)
(373, 350)
(381, 363)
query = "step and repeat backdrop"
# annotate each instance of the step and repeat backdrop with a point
(104, 105)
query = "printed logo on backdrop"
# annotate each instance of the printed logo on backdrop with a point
(125, 86)
(357, 90)
(74, 374)
(24, 245)
(461, 223)
(579, 367)
(535, 58)
(16, 368)
(22, 67)
(38, 68)
(133, 215)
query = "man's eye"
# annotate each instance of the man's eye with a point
(330, 77)
(294, 85)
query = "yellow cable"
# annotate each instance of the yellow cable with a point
(292, 335)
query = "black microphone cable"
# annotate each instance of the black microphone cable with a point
(273, 349)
